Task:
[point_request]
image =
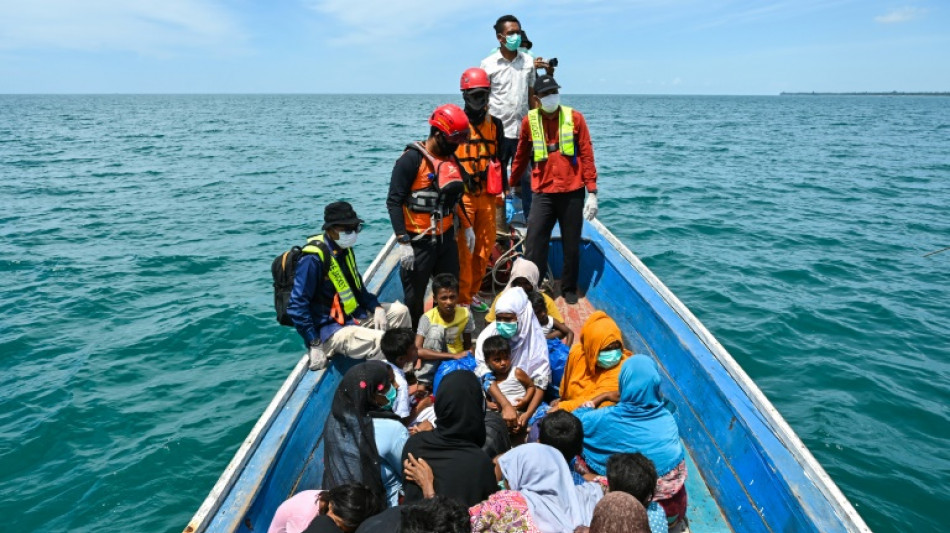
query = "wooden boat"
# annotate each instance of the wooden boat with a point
(748, 470)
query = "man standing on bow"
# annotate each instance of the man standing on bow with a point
(477, 157)
(329, 295)
(512, 73)
(556, 138)
(424, 192)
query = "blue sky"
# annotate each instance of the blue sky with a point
(422, 46)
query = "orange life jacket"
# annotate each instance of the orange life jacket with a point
(420, 220)
(476, 155)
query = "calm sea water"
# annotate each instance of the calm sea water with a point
(138, 345)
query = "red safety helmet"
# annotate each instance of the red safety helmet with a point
(474, 78)
(451, 121)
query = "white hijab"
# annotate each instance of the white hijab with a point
(522, 268)
(529, 348)
(541, 475)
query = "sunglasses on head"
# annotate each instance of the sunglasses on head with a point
(457, 138)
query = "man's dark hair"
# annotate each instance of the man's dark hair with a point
(564, 431)
(441, 514)
(444, 281)
(632, 473)
(504, 19)
(495, 344)
(352, 503)
(537, 300)
(396, 343)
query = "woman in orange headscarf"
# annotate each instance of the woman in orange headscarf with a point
(593, 366)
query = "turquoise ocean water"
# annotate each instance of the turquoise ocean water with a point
(137, 339)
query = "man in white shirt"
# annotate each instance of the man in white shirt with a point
(512, 74)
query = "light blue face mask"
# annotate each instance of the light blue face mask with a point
(609, 358)
(512, 42)
(390, 397)
(506, 329)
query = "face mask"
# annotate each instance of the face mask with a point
(512, 42)
(347, 239)
(506, 329)
(550, 102)
(390, 397)
(609, 358)
(445, 148)
(476, 101)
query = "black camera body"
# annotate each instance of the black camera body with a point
(552, 62)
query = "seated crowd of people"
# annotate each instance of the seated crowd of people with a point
(525, 431)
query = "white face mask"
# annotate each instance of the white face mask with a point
(347, 239)
(550, 102)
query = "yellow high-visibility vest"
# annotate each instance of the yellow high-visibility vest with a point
(565, 137)
(335, 273)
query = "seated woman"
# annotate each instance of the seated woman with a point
(541, 497)
(363, 438)
(344, 508)
(462, 470)
(619, 512)
(515, 321)
(524, 274)
(593, 364)
(639, 423)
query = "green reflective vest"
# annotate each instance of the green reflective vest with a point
(565, 137)
(315, 245)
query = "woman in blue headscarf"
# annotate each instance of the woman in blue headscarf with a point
(639, 423)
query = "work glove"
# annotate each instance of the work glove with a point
(318, 358)
(407, 257)
(380, 321)
(470, 239)
(509, 209)
(590, 206)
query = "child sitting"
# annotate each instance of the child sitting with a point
(509, 385)
(445, 331)
(553, 328)
(635, 474)
(563, 431)
(554, 331)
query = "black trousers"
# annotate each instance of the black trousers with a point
(567, 210)
(434, 255)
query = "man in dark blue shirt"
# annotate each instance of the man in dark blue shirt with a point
(330, 305)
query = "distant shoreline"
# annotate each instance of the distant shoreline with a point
(891, 93)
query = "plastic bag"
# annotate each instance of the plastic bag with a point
(557, 358)
(451, 365)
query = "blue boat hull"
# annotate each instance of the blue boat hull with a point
(750, 472)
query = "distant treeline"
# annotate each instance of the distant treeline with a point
(892, 93)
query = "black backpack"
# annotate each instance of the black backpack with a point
(283, 269)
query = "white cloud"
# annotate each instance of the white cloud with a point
(903, 14)
(146, 26)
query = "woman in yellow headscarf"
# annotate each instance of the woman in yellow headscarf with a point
(593, 366)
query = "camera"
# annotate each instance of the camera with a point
(552, 62)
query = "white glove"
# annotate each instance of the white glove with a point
(407, 257)
(470, 239)
(590, 206)
(379, 319)
(318, 358)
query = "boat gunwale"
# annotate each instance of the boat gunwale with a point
(774, 420)
(219, 492)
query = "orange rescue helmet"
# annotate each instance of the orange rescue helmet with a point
(474, 78)
(451, 121)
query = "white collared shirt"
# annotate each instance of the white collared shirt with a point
(510, 81)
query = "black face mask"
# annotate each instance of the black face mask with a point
(475, 116)
(443, 147)
(476, 104)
